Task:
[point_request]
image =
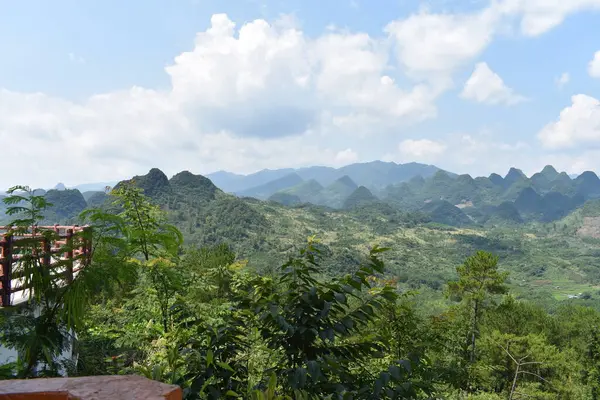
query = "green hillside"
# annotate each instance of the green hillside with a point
(337, 192)
(553, 267)
(268, 189)
(65, 204)
(360, 197)
(545, 259)
(546, 196)
(307, 191)
(426, 243)
(313, 192)
(430, 223)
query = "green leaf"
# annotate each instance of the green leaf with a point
(314, 370)
(406, 364)
(225, 366)
(341, 297)
(377, 388)
(395, 372)
(376, 249)
(300, 377)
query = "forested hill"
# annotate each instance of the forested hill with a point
(542, 227)
(439, 196)
(447, 198)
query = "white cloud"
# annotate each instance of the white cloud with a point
(563, 79)
(345, 157)
(421, 149)
(482, 152)
(577, 124)
(263, 95)
(539, 16)
(432, 45)
(485, 86)
(437, 44)
(594, 66)
(260, 95)
(276, 81)
(478, 154)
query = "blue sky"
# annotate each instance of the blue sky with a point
(103, 90)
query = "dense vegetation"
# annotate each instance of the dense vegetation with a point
(223, 296)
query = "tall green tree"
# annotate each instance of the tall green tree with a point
(321, 331)
(478, 280)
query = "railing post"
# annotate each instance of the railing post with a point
(46, 255)
(6, 245)
(69, 274)
(87, 245)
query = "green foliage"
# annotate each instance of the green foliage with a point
(145, 229)
(478, 277)
(317, 328)
(478, 280)
(26, 207)
(361, 196)
(40, 330)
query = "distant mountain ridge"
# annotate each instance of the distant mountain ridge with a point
(373, 175)
(445, 197)
(546, 196)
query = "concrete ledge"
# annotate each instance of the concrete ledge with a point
(121, 387)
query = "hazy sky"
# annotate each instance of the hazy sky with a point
(99, 90)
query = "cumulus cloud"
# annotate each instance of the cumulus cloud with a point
(577, 124)
(278, 82)
(262, 95)
(434, 45)
(594, 66)
(539, 16)
(486, 86)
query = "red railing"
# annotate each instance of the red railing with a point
(72, 245)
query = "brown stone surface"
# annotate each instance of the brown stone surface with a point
(129, 387)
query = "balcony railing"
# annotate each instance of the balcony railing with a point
(61, 250)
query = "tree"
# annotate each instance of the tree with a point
(142, 236)
(478, 280)
(320, 330)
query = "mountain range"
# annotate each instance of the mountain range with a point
(373, 175)
(435, 220)
(448, 198)
(441, 196)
